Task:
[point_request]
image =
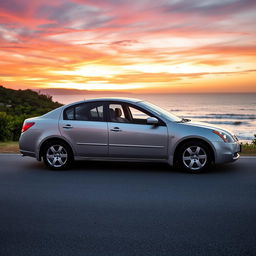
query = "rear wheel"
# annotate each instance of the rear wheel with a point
(194, 156)
(57, 155)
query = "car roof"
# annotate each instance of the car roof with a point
(121, 99)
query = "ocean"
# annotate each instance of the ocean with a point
(235, 112)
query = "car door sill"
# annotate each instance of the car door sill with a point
(119, 159)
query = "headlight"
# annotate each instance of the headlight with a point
(225, 137)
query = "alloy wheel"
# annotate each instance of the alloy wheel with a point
(194, 158)
(56, 156)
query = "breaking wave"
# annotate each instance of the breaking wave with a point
(227, 122)
(225, 116)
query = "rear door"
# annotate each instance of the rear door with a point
(131, 137)
(85, 127)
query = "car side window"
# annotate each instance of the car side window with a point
(127, 113)
(97, 112)
(85, 112)
(69, 113)
(117, 114)
(138, 116)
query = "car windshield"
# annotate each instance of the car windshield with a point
(161, 112)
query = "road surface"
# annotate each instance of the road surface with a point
(126, 209)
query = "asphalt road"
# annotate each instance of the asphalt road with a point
(126, 209)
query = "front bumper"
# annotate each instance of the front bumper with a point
(226, 152)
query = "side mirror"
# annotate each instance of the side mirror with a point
(152, 120)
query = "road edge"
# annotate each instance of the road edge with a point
(17, 154)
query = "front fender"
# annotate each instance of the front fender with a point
(176, 142)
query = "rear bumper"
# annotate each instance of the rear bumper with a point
(26, 149)
(28, 153)
(226, 152)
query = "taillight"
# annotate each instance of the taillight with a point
(26, 126)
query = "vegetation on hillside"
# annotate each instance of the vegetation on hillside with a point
(16, 106)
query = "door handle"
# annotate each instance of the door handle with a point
(115, 129)
(68, 126)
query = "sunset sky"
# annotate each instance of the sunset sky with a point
(130, 45)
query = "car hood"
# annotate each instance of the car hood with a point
(207, 126)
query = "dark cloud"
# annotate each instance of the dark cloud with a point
(14, 6)
(72, 15)
(206, 7)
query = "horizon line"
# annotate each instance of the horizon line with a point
(79, 91)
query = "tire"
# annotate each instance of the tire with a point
(194, 156)
(57, 155)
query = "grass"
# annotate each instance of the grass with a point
(9, 147)
(13, 147)
(249, 149)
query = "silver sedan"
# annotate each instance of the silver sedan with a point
(124, 129)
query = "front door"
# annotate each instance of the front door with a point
(131, 137)
(85, 127)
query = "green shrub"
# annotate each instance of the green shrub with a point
(5, 127)
(10, 126)
(15, 126)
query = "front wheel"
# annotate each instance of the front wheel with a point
(57, 155)
(194, 157)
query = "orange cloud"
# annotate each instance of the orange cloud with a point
(144, 45)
